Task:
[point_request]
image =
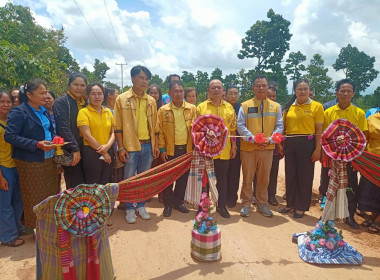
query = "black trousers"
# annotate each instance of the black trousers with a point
(96, 171)
(221, 170)
(299, 172)
(74, 175)
(233, 179)
(352, 189)
(175, 197)
(324, 182)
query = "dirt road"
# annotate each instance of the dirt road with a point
(252, 248)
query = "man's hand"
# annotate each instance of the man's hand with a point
(3, 184)
(123, 155)
(164, 156)
(156, 152)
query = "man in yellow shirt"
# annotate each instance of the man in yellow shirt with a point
(257, 115)
(174, 126)
(215, 105)
(345, 91)
(135, 120)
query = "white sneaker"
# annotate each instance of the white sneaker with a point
(143, 213)
(131, 216)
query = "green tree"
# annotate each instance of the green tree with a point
(376, 98)
(267, 41)
(357, 66)
(294, 65)
(28, 50)
(277, 75)
(99, 73)
(157, 80)
(217, 74)
(319, 80)
(109, 84)
(231, 79)
(202, 81)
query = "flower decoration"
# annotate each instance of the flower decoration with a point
(310, 137)
(260, 138)
(324, 235)
(277, 137)
(203, 222)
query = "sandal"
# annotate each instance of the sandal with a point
(373, 228)
(285, 210)
(15, 242)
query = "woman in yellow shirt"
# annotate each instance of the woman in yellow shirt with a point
(11, 205)
(96, 124)
(303, 125)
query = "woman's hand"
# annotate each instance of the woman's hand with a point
(102, 149)
(107, 158)
(3, 184)
(45, 145)
(316, 155)
(76, 158)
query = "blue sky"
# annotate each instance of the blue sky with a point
(190, 35)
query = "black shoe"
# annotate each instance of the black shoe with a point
(273, 202)
(231, 205)
(320, 199)
(223, 212)
(167, 211)
(181, 208)
(352, 223)
(297, 215)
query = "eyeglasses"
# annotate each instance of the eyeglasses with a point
(214, 88)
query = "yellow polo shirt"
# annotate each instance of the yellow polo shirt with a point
(301, 118)
(351, 113)
(227, 113)
(80, 103)
(142, 120)
(6, 159)
(100, 124)
(373, 134)
(180, 128)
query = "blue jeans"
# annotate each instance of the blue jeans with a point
(11, 206)
(138, 162)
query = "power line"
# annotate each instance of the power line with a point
(100, 43)
(113, 30)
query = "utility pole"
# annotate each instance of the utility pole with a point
(122, 80)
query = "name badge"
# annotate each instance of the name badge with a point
(253, 110)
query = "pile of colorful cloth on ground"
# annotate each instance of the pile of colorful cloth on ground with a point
(325, 245)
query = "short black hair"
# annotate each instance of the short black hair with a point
(232, 86)
(259, 76)
(345, 81)
(175, 83)
(52, 94)
(273, 88)
(138, 68)
(90, 86)
(75, 75)
(273, 83)
(173, 75)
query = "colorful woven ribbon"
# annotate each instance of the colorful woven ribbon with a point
(368, 164)
(153, 181)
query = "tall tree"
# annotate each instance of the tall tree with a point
(188, 79)
(294, 66)
(267, 41)
(319, 80)
(217, 74)
(357, 66)
(202, 81)
(157, 80)
(231, 79)
(27, 50)
(99, 73)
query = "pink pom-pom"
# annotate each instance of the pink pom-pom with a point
(284, 138)
(310, 137)
(250, 138)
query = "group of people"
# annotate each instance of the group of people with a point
(111, 137)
